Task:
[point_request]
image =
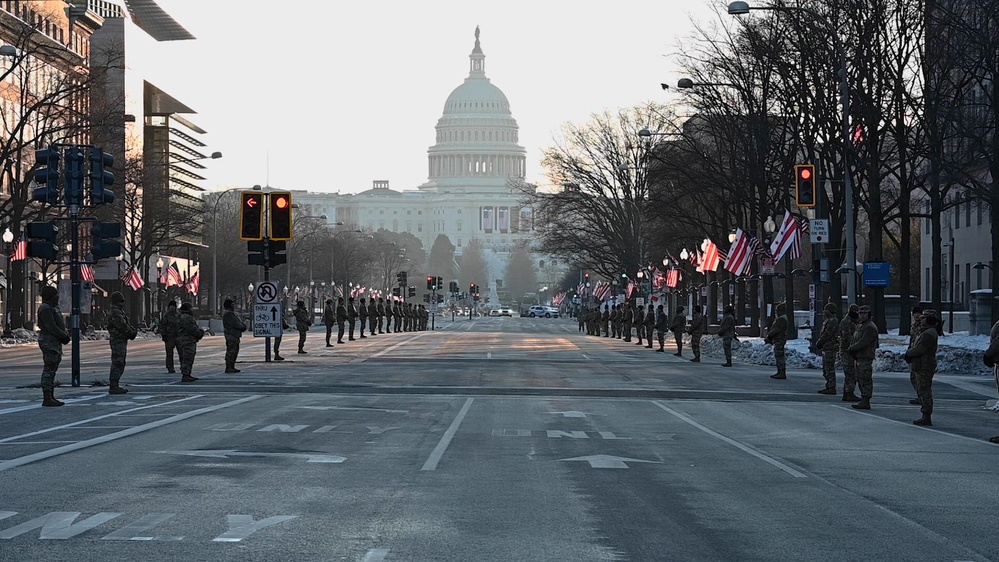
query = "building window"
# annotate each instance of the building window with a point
(458, 224)
(926, 210)
(419, 227)
(967, 210)
(979, 205)
(419, 212)
(957, 211)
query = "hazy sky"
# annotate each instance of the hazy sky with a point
(328, 96)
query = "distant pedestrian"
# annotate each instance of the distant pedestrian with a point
(188, 336)
(168, 332)
(828, 344)
(726, 331)
(777, 336)
(922, 359)
(698, 327)
(329, 320)
(303, 320)
(52, 335)
(677, 325)
(120, 331)
(865, 342)
(848, 325)
(232, 328)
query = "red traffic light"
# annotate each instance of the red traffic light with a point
(805, 173)
(252, 202)
(281, 202)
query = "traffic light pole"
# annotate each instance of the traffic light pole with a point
(74, 276)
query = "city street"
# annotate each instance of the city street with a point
(487, 439)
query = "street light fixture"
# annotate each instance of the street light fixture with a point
(159, 283)
(8, 239)
(739, 8)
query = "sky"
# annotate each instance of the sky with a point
(328, 96)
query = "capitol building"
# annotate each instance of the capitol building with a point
(468, 193)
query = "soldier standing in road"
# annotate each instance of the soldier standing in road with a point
(914, 331)
(52, 336)
(188, 336)
(362, 313)
(277, 340)
(302, 322)
(698, 326)
(351, 317)
(638, 321)
(990, 357)
(232, 328)
(616, 321)
(828, 343)
(120, 330)
(627, 318)
(341, 319)
(380, 309)
(605, 319)
(726, 331)
(397, 315)
(922, 358)
(677, 325)
(168, 331)
(846, 328)
(662, 325)
(388, 316)
(372, 317)
(581, 318)
(865, 341)
(777, 336)
(329, 320)
(650, 324)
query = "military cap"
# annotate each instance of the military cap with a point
(864, 309)
(300, 304)
(854, 308)
(186, 306)
(929, 313)
(781, 307)
(227, 303)
(831, 307)
(117, 297)
(48, 292)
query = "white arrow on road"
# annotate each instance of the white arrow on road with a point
(226, 453)
(607, 461)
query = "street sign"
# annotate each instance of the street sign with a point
(767, 266)
(266, 292)
(267, 320)
(811, 290)
(640, 301)
(877, 273)
(819, 229)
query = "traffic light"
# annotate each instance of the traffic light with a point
(430, 283)
(103, 243)
(412, 291)
(400, 278)
(405, 278)
(73, 174)
(280, 215)
(251, 215)
(46, 175)
(805, 193)
(257, 252)
(277, 253)
(42, 243)
(396, 292)
(426, 298)
(471, 288)
(101, 164)
(586, 277)
(453, 287)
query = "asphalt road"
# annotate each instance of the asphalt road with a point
(494, 439)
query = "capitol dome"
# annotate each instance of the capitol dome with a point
(476, 135)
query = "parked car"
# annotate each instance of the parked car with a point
(505, 311)
(552, 310)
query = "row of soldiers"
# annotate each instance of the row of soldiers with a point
(621, 320)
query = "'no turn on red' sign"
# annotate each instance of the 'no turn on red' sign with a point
(819, 229)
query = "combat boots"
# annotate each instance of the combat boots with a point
(231, 368)
(779, 375)
(188, 378)
(925, 420)
(49, 399)
(864, 404)
(849, 396)
(830, 390)
(115, 389)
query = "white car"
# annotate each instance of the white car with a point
(545, 311)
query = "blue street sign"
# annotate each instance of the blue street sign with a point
(877, 273)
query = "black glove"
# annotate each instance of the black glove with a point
(66, 340)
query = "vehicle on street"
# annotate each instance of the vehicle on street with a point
(545, 311)
(506, 311)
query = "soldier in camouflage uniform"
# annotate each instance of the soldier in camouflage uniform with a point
(777, 336)
(168, 331)
(52, 335)
(846, 328)
(380, 311)
(605, 319)
(865, 341)
(650, 324)
(351, 318)
(329, 320)
(397, 314)
(698, 327)
(616, 321)
(726, 331)
(828, 343)
(372, 317)
(627, 320)
(638, 321)
(362, 313)
(303, 319)
(914, 331)
(581, 318)
(662, 326)
(188, 336)
(233, 328)
(922, 358)
(120, 330)
(341, 319)
(388, 316)
(677, 325)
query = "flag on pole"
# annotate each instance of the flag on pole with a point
(711, 258)
(631, 288)
(194, 283)
(787, 240)
(87, 272)
(339, 291)
(173, 277)
(740, 255)
(20, 250)
(132, 278)
(672, 277)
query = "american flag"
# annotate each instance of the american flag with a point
(132, 279)
(672, 277)
(339, 291)
(788, 240)
(194, 283)
(87, 272)
(631, 288)
(711, 258)
(173, 277)
(20, 250)
(740, 255)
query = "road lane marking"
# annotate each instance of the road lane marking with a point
(39, 404)
(226, 453)
(607, 461)
(13, 463)
(396, 346)
(741, 446)
(438, 451)
(376, 555)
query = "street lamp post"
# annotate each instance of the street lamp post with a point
(8, 239)
(159, 286)
(214, 300)
(741, 8)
